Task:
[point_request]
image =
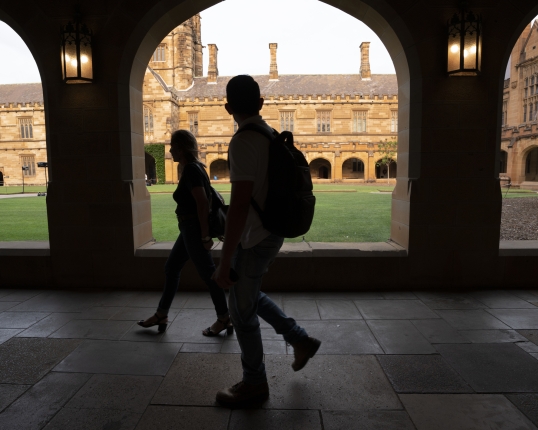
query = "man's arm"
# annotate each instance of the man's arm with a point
(236, 219)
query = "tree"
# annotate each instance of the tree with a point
(388, 152)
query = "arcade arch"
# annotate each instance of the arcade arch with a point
(150, 169)
(353, 168)
(383, 171)
(531, 165)
(218, 170)
(320, 168)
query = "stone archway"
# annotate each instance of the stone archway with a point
(531, 165)
(218, 170)
(320, 168)
(1, 178)
(382, 171)
(353, 168)
(503, 162)
(150, 169)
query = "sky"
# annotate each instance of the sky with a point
(305, 30)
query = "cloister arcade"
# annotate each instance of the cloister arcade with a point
(440, 237)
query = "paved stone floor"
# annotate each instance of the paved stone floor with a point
(389, 360)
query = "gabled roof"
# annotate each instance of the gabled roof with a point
(21, 93)
(290, 85)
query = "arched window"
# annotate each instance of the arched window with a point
(148, 121)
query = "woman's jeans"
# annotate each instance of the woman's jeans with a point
(188, 245)
(247, 302)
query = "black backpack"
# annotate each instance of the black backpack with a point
(289, 206)
(217, 207)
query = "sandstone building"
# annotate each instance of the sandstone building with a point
(519, 144)
(337, 120)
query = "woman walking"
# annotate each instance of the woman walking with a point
(194, 241)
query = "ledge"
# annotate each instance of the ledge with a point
(298, 250)
(25, 249)
(518, 248)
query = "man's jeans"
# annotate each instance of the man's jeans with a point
(247, 302)
(188, 245)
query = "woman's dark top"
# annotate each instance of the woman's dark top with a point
(191, 177)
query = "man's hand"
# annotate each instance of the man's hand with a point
(207, 245)
(222, 276)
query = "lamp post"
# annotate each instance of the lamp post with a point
(45, 165)
(76, 52)
(24, 169)
(464, 43)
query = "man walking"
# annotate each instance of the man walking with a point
(249, 249)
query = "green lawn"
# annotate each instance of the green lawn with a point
(344, 213)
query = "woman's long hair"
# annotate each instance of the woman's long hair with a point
(185, 140)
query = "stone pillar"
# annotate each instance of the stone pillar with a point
(365, 72)
(212, 69)
(185, 63)
(273, 70)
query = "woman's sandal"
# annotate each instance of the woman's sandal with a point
(227, 325)
(161, 322)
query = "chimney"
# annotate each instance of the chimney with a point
(212, 70)
(273, 71)
(366, 75)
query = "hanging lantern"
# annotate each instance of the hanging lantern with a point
(76, 53)
(464, 43)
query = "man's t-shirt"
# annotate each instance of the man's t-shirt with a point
(249, 157)
(191, 177)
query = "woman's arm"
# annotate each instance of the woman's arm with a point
(202, 210)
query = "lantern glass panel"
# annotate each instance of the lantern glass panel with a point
(470, 51)
(86, 61)
(70, 58)
(453, 53)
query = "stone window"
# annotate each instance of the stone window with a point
(526, 82)
(193, 123)
(28, 161)
(532, 90)
(323, 121)
(504, 113)
(160, 53)
(148, 121)
(524, 113)
(26, 128)
(286, 121)
(532, 80)
(526, 92)
(393, 121)
(530, 112)
(359, 121)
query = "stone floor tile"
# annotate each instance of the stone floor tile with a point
(363, 295)
(471, 320)
(270, 347)
(273, 419)
(534, 354)
(501, 300)
(366, 420)
(137, 314)
(301, 309)
(267, 334)
(20, 319)
(148, 299)
(438, 331)
(4, 306)
(188, 326)
(448, 300)
(199, 301)
(141, 334)
(22, 295)
(115, 298)
(517, 318)
(41, 402)
(343, 337)
(528, 295)
(493, 367)
(492, 336)
(184, 418)
(99, 313)
(121, 392)
(93, 329)
(120, 358)
(334, 382)
(194, 379)
(26, 360)
(400, 337)
(338, 310)
(9, 393)
(526, 403)
(394, 309)
(48, 325)
(475, 412)
(528, 346)
(8, 333)
(58, 301)
(92, 419)
(211, 348)
(399, 295)
(422, 374)
(531, 335)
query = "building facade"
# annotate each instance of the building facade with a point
(337, 120)
(519, 133)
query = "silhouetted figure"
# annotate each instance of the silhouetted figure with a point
(194, 241)
(251, 249)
